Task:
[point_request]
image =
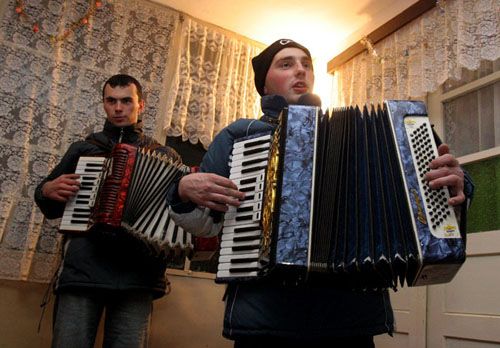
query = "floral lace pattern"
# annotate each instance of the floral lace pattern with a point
(422, 55)
(215, 84)
(50, 96)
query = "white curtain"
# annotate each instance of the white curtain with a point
(213, 83)
(418, 58)
(50, 96)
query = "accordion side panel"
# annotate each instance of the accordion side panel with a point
(293, 238)
(441, 248)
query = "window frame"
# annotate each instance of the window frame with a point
(435, 111)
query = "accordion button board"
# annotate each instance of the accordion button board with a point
(438, 212)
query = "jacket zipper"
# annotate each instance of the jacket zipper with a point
(121, 135)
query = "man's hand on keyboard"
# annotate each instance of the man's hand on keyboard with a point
(62, 188)
(210, 190)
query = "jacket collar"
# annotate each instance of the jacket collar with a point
(271, 106)
(129, 134)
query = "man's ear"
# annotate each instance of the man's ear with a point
(142, 105)
(265, 90)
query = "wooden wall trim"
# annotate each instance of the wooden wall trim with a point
(412, 12)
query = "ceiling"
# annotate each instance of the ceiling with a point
(326, 27)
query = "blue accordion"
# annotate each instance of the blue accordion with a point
(341, 198)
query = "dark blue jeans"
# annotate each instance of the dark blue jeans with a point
(78, 313)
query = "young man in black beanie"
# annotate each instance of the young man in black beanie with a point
(268, 313)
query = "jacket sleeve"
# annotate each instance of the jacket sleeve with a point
(200, 221)
(53, 209)
(462, 213)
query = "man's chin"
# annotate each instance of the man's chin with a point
(120, 123)
(294, 98)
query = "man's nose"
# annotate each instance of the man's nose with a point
(118, 106)
(301, 69)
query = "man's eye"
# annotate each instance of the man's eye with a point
(307, 64)
(286, 65)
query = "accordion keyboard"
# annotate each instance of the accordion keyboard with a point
(241, 233)
(78, 209)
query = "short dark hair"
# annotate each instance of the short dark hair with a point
(123, 80)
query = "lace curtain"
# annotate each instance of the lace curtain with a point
(422, 55)
(213, 83)
(50, 96)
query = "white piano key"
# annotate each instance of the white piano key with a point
(234, 252)
(235, 266)
(244, 244)
(232, 236)
(237, 257)
(228, 274)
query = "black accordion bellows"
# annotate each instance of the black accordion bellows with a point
(363, 225)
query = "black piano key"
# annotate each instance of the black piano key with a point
(79, 222)
(245, 239)
(248, 181)
(245, 229)
(256, 143)
(244, 260)
(254, 151)
(250, 162)
(81, 210)
(244, 209)
(254, 169)
(79, 215)
(244, 247)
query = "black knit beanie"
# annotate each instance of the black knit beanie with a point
(262, 62)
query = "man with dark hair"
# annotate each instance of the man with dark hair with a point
(113, 273)
(123, 80)
(267, 313)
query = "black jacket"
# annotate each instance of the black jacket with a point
(91, 260)
(268, 308)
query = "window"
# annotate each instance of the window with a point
(467, 116)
